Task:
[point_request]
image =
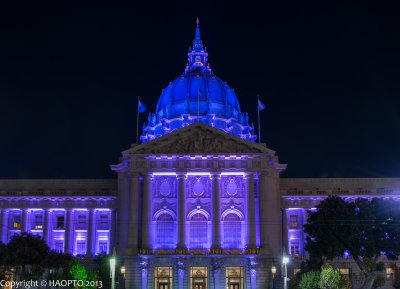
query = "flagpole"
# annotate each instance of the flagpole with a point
(137, 121)
(258, 111)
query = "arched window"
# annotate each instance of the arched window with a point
(198, 231)
(232, 231)
(165, 231)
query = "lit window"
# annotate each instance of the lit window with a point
(17, 222)
(163, 277)
(389, 273)
(294, 223)
(234, 277)
(198, 231)
(345, 272)
(294, 247)
(232, 231)
(60, 222)
(198, 277)
(38, 222)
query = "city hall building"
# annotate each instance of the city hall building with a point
(197, 204)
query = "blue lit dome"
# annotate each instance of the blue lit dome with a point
(197, 95)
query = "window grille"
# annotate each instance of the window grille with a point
(165, 231)
(198, 232)
(232, 231)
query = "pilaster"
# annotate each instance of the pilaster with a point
(181, 211)
(89, 245)
(251, 218)
(216, 241)
(68, 229)
(133, 217)
(146, 212)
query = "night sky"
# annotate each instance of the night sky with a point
(328, 73)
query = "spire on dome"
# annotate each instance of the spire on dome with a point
(197, 43)
(198, 54)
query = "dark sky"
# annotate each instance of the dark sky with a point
(328, 73)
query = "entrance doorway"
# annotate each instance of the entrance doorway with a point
(198, 277)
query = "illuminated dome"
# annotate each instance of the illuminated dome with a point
(197, 95)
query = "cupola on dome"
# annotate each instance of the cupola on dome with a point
(197, 95)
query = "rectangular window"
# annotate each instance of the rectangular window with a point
(234, 277)
(103, 246)
(38, 222)
(60, 222)
(80, 247)
(389, 273)
(103, 225)
(17, 222)
(294, 223)
(345, 272)
(81, 222)
(59, 245)
(294, 247)
(198, 277)
(163, 277)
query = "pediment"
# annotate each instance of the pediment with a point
(198, 138)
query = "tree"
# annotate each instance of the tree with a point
(78, 271)
(331, 278)
(26, 250)
(310, 280)
(365, 228)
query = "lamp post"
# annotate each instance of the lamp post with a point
(112, 270)
(273, 271)
(123, 271)
(285, 260)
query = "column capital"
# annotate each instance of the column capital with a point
(181, 175)
(214, 175)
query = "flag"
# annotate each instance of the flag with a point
(261, 105)
(142, 107)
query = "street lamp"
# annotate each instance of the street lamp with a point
(112, 270)
(123, 271)
(273, 271)
(285, 260)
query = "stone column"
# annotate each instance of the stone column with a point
(181, 211)
(216, 240)
(146, 212)
(91, 230)
(270, 215)
(133, 227)
(285, 232)
(24, 220)
(2, 225)
(4, 228)
(68, 229)
(46, 226)
(112, 230)
(251, 208)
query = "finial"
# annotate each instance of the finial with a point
(197, 21)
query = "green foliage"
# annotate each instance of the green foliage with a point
(379, 282)
(310, 280)
(331, 278)
(77, 270)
